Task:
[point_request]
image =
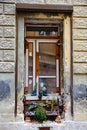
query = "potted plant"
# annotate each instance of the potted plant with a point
(40, 95)
(40, 113)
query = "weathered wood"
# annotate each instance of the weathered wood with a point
(41, 37)
(37, 64)
(44, 8)
(57, 52)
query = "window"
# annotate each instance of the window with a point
(42, 66)
(42, 30)
(42, 58)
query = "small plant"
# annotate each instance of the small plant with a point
(41, 104)
(40, 113)
(32, 106)
(40, 95)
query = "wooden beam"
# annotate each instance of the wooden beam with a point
(44, 8)
(37, 64)
(42, 37)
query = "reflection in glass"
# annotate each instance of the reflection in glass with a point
(47, 59)
(30, 59)
(30, 85)
(48, 85)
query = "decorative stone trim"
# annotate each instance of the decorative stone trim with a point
(7, 43)
(7, 20)
(9, 8)
(9, 32)
(7, 67)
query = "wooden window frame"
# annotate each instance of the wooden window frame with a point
(34, 68)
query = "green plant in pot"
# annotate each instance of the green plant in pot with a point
(40, 95)
(40, 113)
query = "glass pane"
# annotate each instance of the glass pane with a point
(30, 59)
(48, 85)
(47, 59)
(30, 85)
(38, 30)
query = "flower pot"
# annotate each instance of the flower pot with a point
(44, 128)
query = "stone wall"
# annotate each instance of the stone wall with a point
(7, 55)
(52, 125)
(45, 1)
(80, 59)
(7, 59)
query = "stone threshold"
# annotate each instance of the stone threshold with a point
(65, 125)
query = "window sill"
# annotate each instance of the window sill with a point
(49, 97)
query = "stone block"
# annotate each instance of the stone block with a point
(7, 67)
(30, 1)
(1, 55)
(7, 1)
(80, 45)
(7, 20)
(8, 55)
(9, 78)
(53, 1)
(9, 9)
(80, 91)
(80, 11)
(79, 79)
(1, 31)
(79, 34)
(80, 68)
(80, 23)
(80, 2)
(1, 8)
(57, 1)
(80, 57)
(9, 32)
(80, 111)
(4, 90)
(45, 1)
(7, 43)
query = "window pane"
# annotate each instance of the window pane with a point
(48, 85)
(42, 31)
(30, 85)
(47, 59)
(30, 59)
